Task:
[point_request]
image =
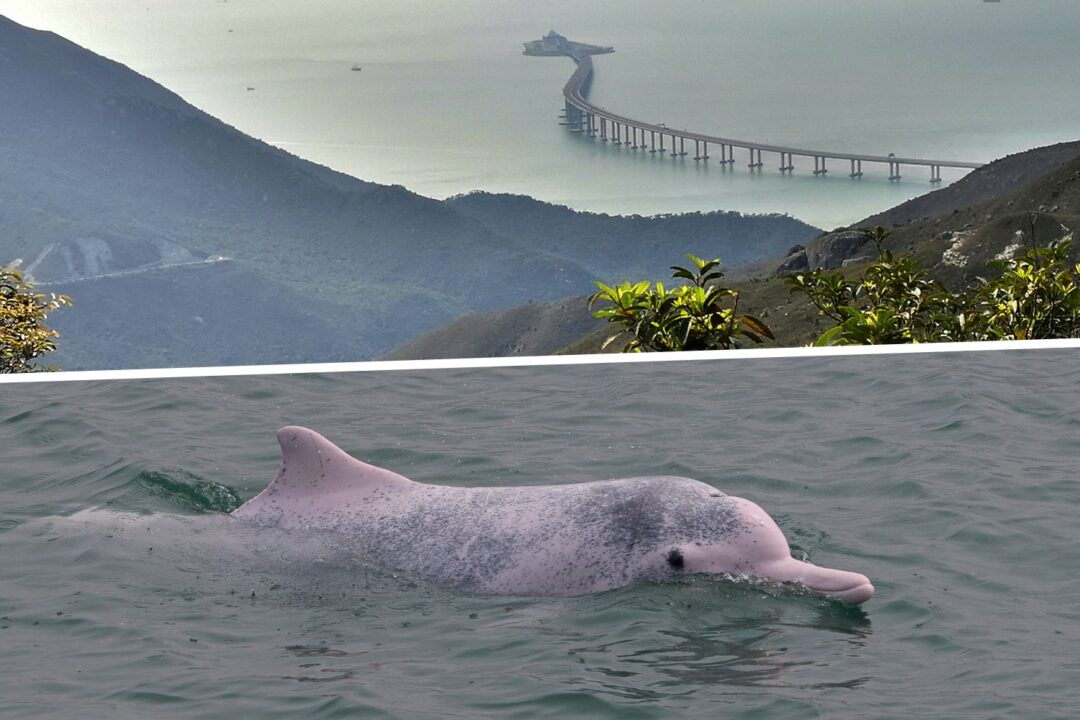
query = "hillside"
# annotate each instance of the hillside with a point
(955, 245)
(530, 329)
(633, 246)
(107, 175)
(269, 321)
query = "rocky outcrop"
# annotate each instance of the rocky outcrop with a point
(826, 252)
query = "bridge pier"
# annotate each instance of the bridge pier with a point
(572, 117)
(581, 116)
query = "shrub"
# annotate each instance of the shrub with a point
(23, 334)
(700, 314)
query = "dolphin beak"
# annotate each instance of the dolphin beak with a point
(847, 587)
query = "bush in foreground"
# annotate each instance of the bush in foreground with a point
(24, 337)
(700, 314)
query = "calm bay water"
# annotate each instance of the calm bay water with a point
(446, 103)
(949, 479)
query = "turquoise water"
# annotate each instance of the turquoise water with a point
(446, 103)
(949, 479)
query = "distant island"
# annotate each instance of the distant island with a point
(553, 44)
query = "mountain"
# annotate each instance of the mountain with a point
(631, 246)
(954, 232)
(991, 181)
(112, 187)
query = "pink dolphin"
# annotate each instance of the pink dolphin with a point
(534, 540)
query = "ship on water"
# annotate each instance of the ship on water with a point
(555, 44)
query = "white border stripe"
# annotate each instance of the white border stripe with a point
(522, 361)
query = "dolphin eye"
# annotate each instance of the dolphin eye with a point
(675, 558)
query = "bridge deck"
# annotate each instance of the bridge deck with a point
(574, 94)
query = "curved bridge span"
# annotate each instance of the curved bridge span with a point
(581, 116)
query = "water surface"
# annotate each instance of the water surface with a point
(949, 479)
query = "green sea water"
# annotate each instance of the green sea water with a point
(949, 479)
(446, 103)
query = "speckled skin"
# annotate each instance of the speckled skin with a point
(533, 540)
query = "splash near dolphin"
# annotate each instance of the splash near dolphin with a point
(534, 540)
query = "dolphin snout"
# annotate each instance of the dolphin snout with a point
(854, 595)
(847, 587)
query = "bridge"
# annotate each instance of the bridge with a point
(581, 116)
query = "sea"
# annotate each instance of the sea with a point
(445, 103)
(949, 479)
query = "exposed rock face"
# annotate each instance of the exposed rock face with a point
(89, 257)
(795, 262)
(826, 252)
(832, 250)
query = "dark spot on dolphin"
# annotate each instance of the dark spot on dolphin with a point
(675, 558)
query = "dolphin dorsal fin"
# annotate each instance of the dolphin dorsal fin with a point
(311, 461)
(315, 471)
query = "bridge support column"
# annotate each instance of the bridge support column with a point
(755, 158)
(697, 150)
(652, 141)
(856, 169)
(704, 150)
(819, 165)
(935, 174)
(635, 146)
(894, 170)
(674, 152)
(682, 147)
(661, 143)
(786, 163)
(603, 129)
